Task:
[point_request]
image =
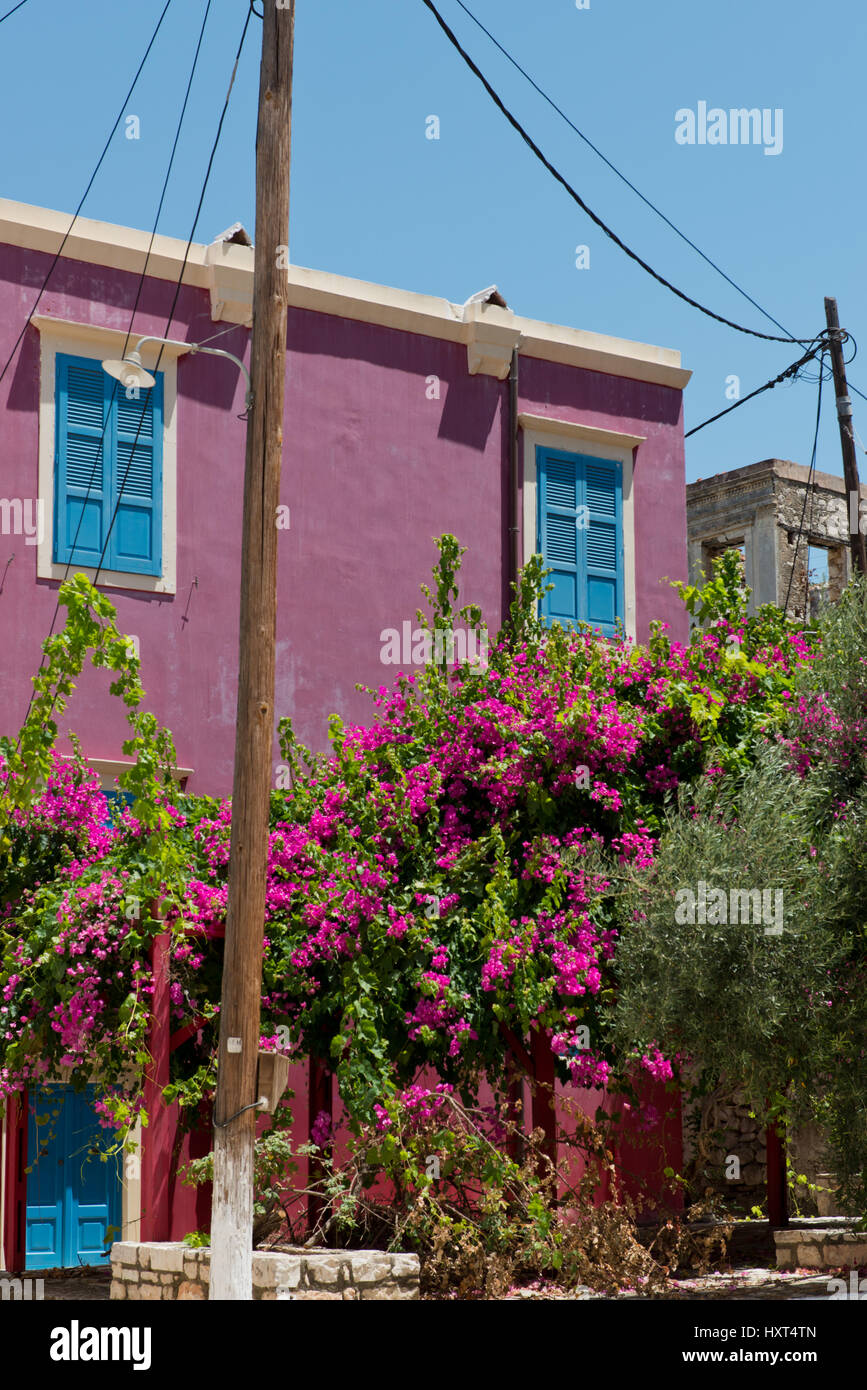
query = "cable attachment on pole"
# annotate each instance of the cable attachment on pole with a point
(260, 1104)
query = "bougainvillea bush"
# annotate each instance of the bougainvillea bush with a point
(446, 877)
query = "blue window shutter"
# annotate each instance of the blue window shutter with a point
(82, 488)
(603, 544)
(97, 456)
(137, 459)
(559, 485)
(581, 538)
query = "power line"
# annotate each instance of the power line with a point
(180, 280)
(176, 291)
(613, 167)
(629, 184)
(139, 290)
(768, 386)
(12, 11)
(90, 183)
(531, 144)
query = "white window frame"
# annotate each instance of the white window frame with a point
(574, 437)
(97, 343)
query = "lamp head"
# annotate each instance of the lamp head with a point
(129, 371)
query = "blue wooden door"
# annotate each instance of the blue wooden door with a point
(73, 1198)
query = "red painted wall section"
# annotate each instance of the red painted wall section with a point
(373, 470)
(12, 1254)
(648, 1140)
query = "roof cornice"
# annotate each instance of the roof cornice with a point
(226, 271)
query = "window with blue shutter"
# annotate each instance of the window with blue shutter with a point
(108, 457)
(580, 537)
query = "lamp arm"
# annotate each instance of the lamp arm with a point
(212, 352)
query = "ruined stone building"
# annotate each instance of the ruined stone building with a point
(760, 510)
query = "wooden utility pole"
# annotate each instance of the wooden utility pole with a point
(847, 437)
(234, 1133)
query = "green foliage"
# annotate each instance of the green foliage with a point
(197, 1240)
(274, 1162)
(783, 1016)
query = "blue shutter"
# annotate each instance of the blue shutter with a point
(82, 488)
(603, 540)
(581, 538)
(136, 537)
(101, 467)
(559, 499)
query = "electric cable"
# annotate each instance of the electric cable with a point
(254, 1104)
(806, 492)
(140, 287)
(531, 144)
(768, 386)
(175, 297)
(613, 167)
(11, 12)
(90, 183)
(629, 184)
(179, 281)
(138, 294)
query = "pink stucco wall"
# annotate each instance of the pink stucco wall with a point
(373, 470)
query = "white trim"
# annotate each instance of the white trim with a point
(89, 340)
(226, 271)
(110, 768)
(130, 1188)
(569, 434)
(544, 424)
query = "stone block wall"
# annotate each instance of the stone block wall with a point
(167, 1271)
(820, 1247)
(728, 1131)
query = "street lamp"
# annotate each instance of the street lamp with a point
(130, 372)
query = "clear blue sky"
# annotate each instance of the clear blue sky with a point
(373, 198)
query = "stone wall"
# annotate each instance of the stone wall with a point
(727, 1131)
(760, 509)
(820, 1247)
(165, 1271)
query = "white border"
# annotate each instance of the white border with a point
(89, 340)
(569, 436)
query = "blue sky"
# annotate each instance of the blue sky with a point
(372, 197)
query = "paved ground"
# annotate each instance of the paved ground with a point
(750, 1278)
(89, 1285)
(92, 1285)
(733, 1286)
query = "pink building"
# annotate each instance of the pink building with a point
(407, 416)
(399, 422)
